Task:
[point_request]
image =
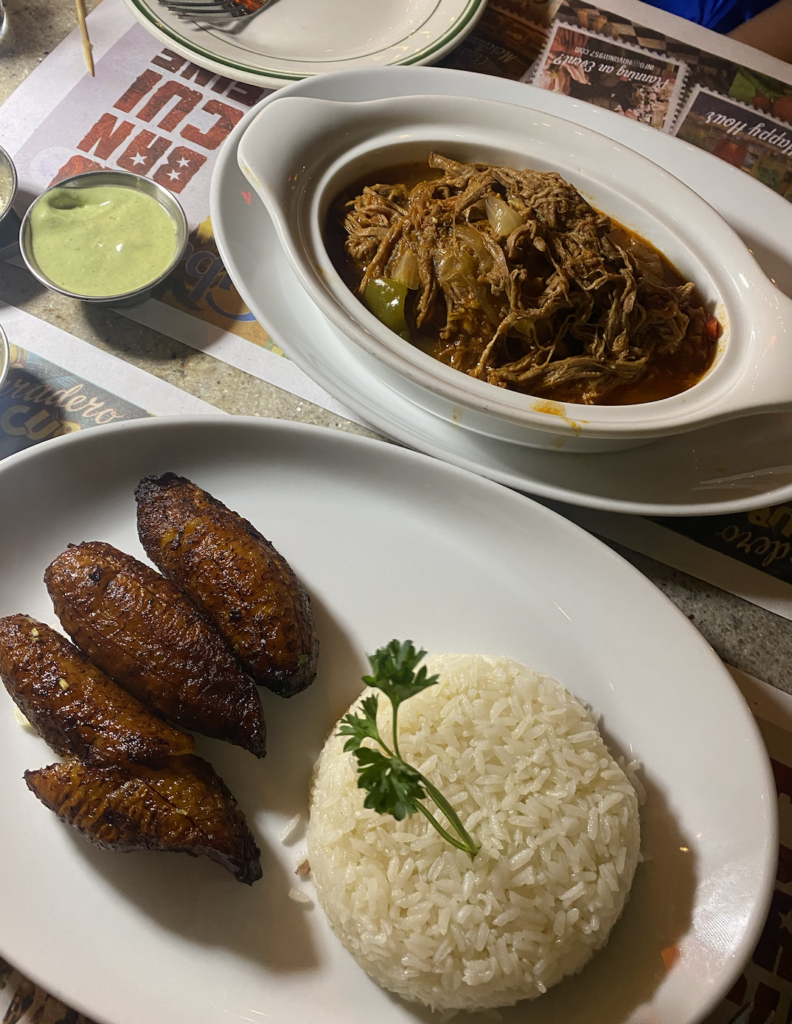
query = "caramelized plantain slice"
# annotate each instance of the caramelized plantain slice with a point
(74, 706)
(183, 807)
(146, 635)
(235, 576)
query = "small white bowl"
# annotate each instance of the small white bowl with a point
(323, 146)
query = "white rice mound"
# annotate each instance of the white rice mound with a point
(523, 764)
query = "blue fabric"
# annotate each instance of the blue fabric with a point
(719, 15)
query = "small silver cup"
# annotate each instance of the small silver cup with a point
(5, 356)
(9, 219)
(125, 179)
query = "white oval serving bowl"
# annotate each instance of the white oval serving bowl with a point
(323, 146)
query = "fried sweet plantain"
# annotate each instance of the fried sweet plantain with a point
(146, 635)
(74, 706)
(183, 807)
(235, 576)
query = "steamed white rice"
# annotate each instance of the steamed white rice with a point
(524, 766)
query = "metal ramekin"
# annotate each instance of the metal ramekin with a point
(8, 163)
(5, 356)
(125, 179)
(9, 219)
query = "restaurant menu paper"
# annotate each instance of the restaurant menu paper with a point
(627, 79)
(648, 66)
(57, 384)
(748, 137)
(748, 554)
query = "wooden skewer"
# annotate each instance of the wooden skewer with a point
(87, 48)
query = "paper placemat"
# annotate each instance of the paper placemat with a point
(58, 384)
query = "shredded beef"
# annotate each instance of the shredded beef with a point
(555, 308)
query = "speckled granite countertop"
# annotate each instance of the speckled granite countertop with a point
(744, 635)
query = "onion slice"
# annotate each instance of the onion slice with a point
(502, 217)
(405, 269)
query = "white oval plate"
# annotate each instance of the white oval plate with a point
(389, 543)
(293, 39)
(728, 468)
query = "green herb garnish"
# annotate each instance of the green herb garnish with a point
(395, 787)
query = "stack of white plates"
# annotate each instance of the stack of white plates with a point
(731, 467)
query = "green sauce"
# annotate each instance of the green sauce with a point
(6, 183)
(102, 240)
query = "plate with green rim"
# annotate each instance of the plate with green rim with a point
(289, 40)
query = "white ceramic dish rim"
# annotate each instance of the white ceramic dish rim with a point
(750, 366)
(313, 345)
(5, 355)
(709, 676)
(170, 31)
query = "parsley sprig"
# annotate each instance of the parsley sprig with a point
(394, 786)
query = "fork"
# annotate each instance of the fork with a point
(200, 8)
